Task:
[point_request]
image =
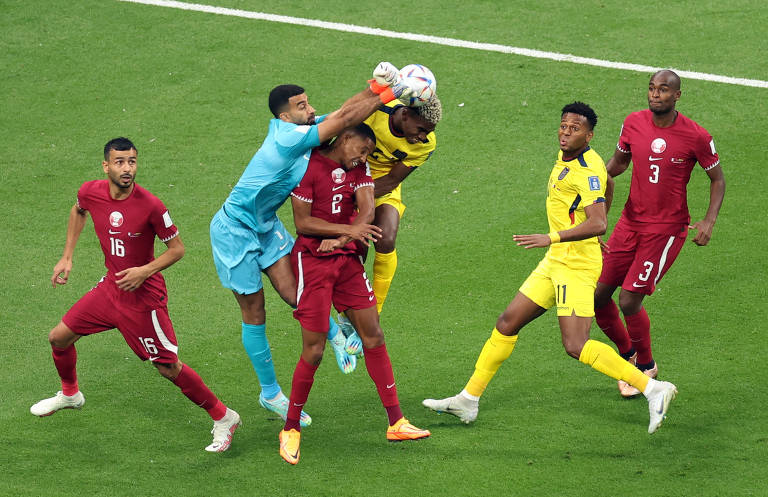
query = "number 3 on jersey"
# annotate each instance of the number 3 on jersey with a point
(117, 247)
(654, 177)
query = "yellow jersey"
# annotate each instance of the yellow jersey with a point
(390, 147)
(572, 186)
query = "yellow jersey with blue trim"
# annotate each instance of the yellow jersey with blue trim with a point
(574, 185)
(392, 147)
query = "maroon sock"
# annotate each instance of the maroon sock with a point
(193, 387)
(303, 377)
(610, 322)
(639, 328)
(65, 361)
(380, 370)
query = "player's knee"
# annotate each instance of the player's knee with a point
(573, 347)
(386, 243)
(373, 337)
(313, 353)
(61, 337)
(170, 371)
(507, 326)
(630, 303)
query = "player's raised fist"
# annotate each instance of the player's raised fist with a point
(385, 74)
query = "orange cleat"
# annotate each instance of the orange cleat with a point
(404, 430)
(289, 445)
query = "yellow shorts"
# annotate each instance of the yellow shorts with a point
(571, 290)
(393, 198)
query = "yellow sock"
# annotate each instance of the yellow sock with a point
(604, 359)
(495, 351)
(384, 267)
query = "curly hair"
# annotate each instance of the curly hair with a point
(431, 111)
(582, 109)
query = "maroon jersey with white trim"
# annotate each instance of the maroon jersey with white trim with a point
(126, 229)
(662, 161)
(331, 191)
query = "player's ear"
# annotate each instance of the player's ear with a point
(105, 166)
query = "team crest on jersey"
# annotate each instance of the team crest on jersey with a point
(338, 175)
(116, 219)
(594, 183)
(658, 145)
(563, 173)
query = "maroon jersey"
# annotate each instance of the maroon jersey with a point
(662, 161)
(331, 191)
(126, 229)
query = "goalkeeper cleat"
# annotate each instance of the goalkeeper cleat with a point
(223, 430)
(289, 445)
(279, 406)
(628, 391)
(46, 407)
(354, 344)
(663, 394)
(463, 408)
(404, 430)
(347, 363)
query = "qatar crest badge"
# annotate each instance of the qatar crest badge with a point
(116, 219)
(338, 175)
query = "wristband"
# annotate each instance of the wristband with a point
(377, 88)
(387, 95)
(554, 237)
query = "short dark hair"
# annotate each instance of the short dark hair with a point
(120, 144)
(278, 97)
(581, 109)
(364, 131)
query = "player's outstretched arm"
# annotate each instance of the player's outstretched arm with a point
(356, 109)
(716, 195)
(595, 225)
(75, 226)
(132, 278)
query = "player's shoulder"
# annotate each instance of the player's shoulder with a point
(590, 161)
(687, 123)
(638, 117)
(285, 131)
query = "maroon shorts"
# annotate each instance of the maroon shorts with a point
(337, 279)
(637, 261)
(149, 333)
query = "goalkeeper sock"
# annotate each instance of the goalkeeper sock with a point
(495, 351)
(257, 347)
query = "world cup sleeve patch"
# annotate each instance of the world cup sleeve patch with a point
(167, 220)
(594, 183)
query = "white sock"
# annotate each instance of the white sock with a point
(469, 396)
(650, 387)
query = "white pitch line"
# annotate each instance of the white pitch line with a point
(451, 42)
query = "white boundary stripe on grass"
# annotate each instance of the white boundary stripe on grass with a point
(451, 42)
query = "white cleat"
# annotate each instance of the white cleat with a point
(458, 405)
(223, 430)
(46, 407)
(658, 403)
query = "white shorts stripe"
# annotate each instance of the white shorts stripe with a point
(299, 282)
(167, 345)
(663, 259)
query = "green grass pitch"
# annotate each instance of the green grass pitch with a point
(190, 89)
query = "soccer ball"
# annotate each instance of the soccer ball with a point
(423, 82)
